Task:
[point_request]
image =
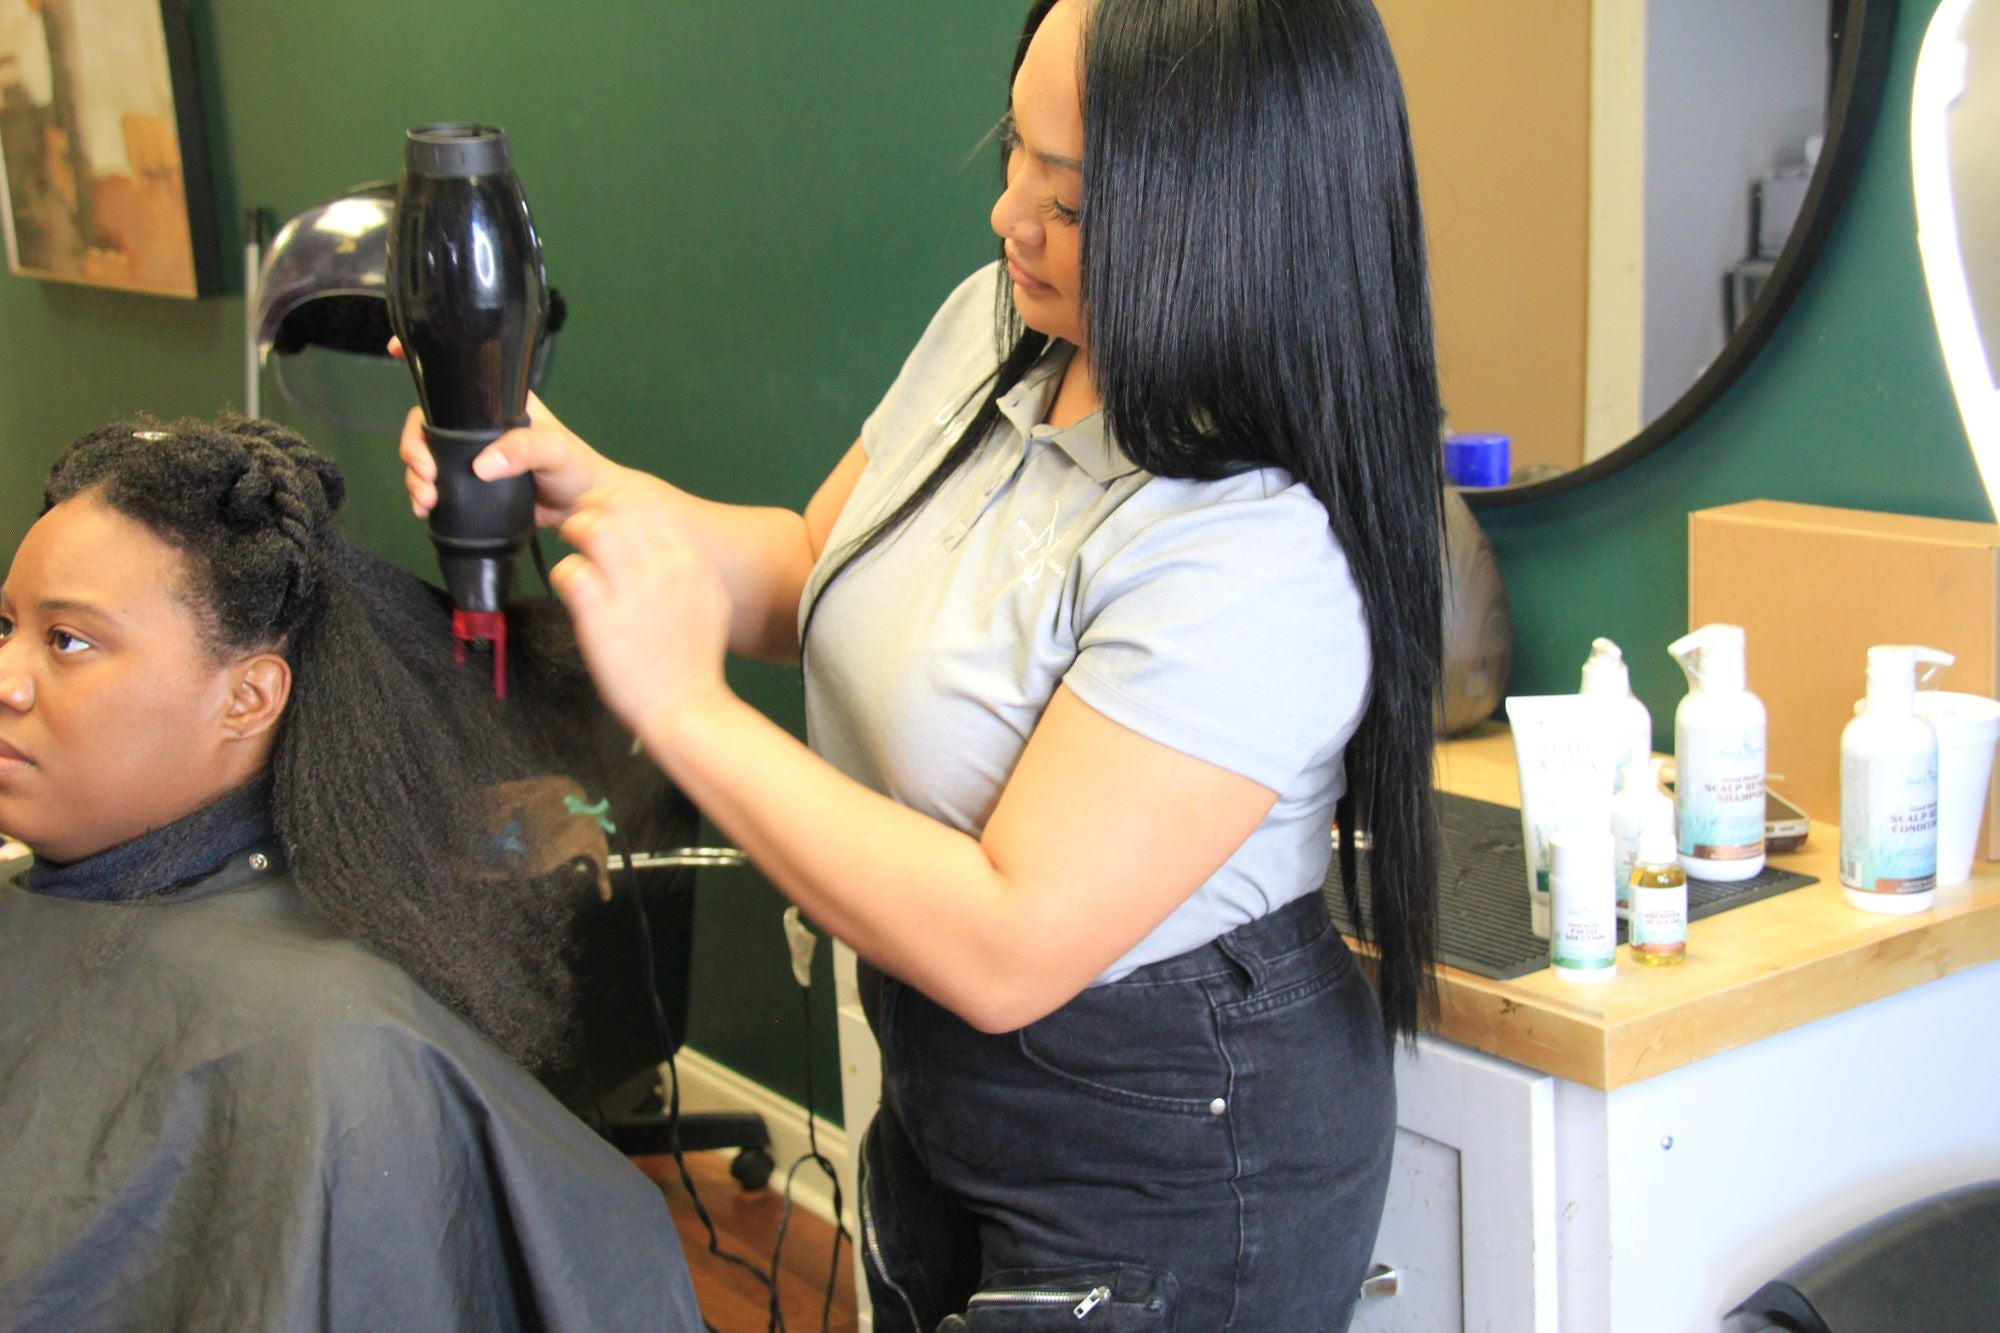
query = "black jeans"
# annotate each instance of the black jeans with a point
(1202, 1145)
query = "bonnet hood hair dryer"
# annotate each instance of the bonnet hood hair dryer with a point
(469, 300)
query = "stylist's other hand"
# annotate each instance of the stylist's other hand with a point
(564, 466)
(651, 612)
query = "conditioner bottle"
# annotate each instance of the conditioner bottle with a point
(1889, 789)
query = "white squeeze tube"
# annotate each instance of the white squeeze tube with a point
(1719, 732)
(1565, 758)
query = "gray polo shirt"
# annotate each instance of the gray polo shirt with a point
(1217, 618)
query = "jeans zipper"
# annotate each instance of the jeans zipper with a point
(1085, 1301)
(875, 1260)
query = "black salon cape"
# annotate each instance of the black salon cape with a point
(215, 1114)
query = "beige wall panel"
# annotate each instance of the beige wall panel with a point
(1499, 100)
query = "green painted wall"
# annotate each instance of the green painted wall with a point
(754, 207)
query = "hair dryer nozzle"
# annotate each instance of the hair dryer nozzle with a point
(470, 627)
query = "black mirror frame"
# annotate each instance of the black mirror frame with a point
(1867, 31)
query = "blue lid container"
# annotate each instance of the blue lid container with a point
(1477, 460)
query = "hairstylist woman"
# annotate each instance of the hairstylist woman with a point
(1096, 630)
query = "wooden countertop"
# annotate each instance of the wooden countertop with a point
(1751, 972)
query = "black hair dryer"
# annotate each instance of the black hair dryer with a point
(469, 300)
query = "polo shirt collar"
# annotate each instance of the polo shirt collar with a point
(1086, 442)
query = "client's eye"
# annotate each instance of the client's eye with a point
(66, 643)
(6, 629)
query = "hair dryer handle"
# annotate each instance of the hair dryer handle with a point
(477, 525)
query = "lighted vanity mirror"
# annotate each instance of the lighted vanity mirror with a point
(1955, 159)
(1621, 201)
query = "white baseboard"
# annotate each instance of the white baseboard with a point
(707, 1085)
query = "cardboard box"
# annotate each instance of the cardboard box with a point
(1814, 587)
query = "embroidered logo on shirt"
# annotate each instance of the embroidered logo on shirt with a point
(1041, 550)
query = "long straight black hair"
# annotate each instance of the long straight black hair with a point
(1255, 292)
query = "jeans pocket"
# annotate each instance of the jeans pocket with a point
(1153, 1049)
(1093, 1298)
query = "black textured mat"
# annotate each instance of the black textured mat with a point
(1483, 892)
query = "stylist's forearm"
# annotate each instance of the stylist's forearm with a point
(916, 898)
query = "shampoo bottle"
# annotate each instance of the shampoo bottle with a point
(1719, 757)
(1658, 927)
(1607, 682)
(1889, 789)
(1583, 936)
(1638, 789)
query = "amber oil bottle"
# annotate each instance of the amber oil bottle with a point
(1657, 929)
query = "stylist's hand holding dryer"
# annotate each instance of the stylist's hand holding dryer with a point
(1098, 626)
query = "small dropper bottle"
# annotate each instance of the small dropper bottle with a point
(1657, 929)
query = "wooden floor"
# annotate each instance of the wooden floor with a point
(746, 1222)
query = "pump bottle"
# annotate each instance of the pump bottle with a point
(1638, 791)
(1889, 789)
(1719, 731)
(1607, 682)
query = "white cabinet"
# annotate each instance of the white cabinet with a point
(1421, 1242)
(1470, 1223)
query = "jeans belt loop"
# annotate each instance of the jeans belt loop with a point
(1253, 966)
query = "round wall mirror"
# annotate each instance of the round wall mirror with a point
(1621, 202)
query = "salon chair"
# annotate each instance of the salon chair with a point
(321, 329)
(1932, 1265)
(613, 1077)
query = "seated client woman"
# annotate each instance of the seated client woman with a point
(268, 987)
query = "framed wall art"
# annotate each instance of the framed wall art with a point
(106, 178)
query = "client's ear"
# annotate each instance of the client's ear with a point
(260, 687)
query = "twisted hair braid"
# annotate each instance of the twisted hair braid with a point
(249, 502)
(303, 489)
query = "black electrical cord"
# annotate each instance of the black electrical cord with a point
(819, 1159)
(669, 1047)
(663, 1032)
